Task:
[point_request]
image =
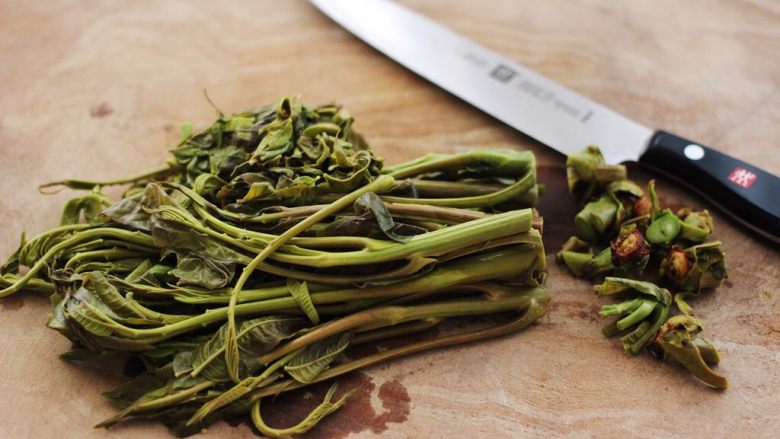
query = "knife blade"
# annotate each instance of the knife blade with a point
(553, 114)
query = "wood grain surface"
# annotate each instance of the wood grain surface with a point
(99, 89)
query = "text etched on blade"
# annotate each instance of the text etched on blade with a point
(507, 75)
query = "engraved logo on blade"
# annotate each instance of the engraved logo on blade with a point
(503, 73)
(742, 177)
(507, 75)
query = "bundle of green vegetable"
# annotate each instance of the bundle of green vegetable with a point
(622, 231)
(273, 243)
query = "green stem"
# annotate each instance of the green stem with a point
(105, 254)
(689, 356)
(534, 311)
(660, 313)
(89, 184)
(105, 244)
(510, 192)
(468, 270)
(393, 315)
(379, 185)
(460, 189)
(532, 305)
(431, 244)
(411, 267)
(622, 307)
(325, 408)
(309, 242)
(61, 229)
(458, 272)
(156, 404)
(164, 318)
(452, 189)
(137, 237)
(9, 279)
(643, 310)
(239, 390)
(504, 163)
(42, 241)
(439, 214)
(402, 329)
(416, 212)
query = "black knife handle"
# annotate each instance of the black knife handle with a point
(749, 194)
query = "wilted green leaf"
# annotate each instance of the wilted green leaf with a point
(203, 271)
(370, 202)
(88, 207)
(313, 360)
(255, 338)
(615, 285)
(300, 292)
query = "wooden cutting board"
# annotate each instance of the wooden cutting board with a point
(99, 89)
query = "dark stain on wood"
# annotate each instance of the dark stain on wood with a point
(556, 206)
(395, 402)
(12, 303)
(101, 110)
(289, 408)
(357, 415)
(577, 310)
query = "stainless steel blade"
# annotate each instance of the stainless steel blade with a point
(516, 95)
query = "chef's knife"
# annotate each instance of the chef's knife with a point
(553, 114)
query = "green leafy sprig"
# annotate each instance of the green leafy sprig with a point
(272, 243)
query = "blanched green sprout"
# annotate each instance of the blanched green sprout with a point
(273, 243)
